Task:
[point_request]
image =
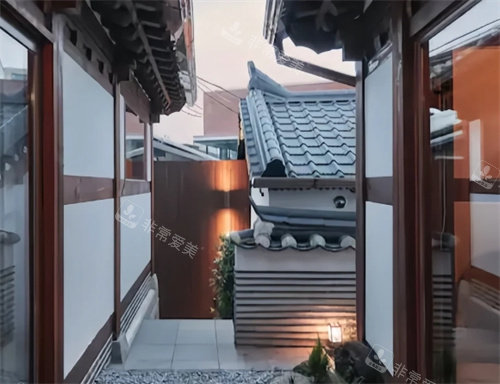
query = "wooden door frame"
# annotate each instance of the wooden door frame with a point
(45, 189)
(412, 156)
(49, 267)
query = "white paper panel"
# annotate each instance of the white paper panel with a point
(485, 232)
(88, 274)
(379, 121)
(135, 240)
(379, 281)
(88, 123)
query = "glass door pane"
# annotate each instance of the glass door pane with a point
(14, 212)
(464, 64)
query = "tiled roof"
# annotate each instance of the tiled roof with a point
(250, 239)
(297, 134)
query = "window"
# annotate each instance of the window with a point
(464, 67)
(15, 233)
(135, 155)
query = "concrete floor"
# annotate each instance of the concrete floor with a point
(203, 345)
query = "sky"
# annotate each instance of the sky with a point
(227, 34)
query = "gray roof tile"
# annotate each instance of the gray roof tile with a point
(298, 134)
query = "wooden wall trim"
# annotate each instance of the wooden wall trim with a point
(379, 189)
(117, 206)
(82, 366)
(360, 203)
(129, 296)
(130, 187)
(79, 189)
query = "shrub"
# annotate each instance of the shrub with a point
(222, 280)
(318, 363)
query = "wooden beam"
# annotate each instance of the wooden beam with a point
(326, 73)
(147, 48)
(136, 99)
(69, 6)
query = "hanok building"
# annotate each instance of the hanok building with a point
(428, 175)
(295, 268)
(74, 75)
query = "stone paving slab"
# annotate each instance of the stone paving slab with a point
(202, 345)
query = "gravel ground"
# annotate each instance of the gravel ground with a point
(110, 376)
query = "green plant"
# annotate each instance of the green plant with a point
(318, 363)
(222, 280)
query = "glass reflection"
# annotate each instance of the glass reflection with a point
(465, 189)
(14, 212)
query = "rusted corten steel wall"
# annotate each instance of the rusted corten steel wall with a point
(195, 202)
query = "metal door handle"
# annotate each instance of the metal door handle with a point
(8, 238)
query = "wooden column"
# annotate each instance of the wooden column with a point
(117, 195)
(405, 180)
(49, 215)
(360, 202)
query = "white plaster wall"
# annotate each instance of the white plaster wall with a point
(135, 241)
(312, 199)
(289, 260)
(485, 232)
(379, 282)
(378, 121)
(261, 197)
(88, 274)
(88, 123)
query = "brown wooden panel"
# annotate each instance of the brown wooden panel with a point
(198, 201)
(379, 190)
(134, 187)
(78, 189)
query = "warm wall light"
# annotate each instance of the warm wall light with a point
(335, 333)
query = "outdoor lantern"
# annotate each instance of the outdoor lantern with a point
(335, 333)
